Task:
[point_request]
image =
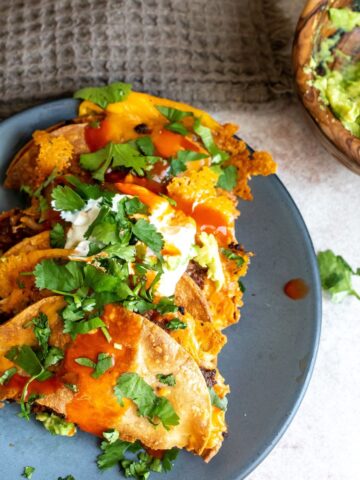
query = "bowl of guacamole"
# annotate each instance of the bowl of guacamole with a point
(326, 57)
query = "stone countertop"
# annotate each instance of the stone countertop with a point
(323, 440)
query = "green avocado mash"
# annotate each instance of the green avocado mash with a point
(340, 89)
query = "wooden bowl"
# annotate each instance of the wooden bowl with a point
(314, 26)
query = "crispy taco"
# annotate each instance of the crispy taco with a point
(122, 272)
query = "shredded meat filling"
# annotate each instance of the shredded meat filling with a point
(197, 273)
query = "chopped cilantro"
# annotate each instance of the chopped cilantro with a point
(7, 375)
(131, 385)
(145, 145)
(134, 205)
(233, 256)
(114, 450)
(25, 358)
(218, 156)
(102, 96)
(147, 233)
(59, 278)
(217, 401)
(175, 324)
(68, 477)
(336, 275)
(178, 164)
(42, 333)
(57, 236)
(85, 190)
(116, 155)
(56, 425)
(85, 362)
(177, 127)
(104, 362)
(173, 114)
(83, 326)
(66, 199)
(28, 471)
(228, 178)
(241, 285)
(166, 379)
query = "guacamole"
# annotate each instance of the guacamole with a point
(339, 89)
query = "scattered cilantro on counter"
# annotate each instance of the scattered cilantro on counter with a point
(68, 477)
(102, 96)
(28, 471)
(217, 401)
(131, 385)
(336, 275)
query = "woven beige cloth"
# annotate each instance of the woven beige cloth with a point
(212, 53)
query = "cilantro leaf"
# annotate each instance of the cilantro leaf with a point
(217, 401)
(113, 452)
(105, 232)
(102, 96)
(175, 324)
(54, 356)
(176, 167)
(228, 178)
(147, 233)
(68, 477)
(25, 358)
(169, 379)
(66, 199)
(132, 386)
(116, 155)
(57, 236)
(145, 145)
(28, 471)
(85, 362)
(178, 164)
(85, 190)
(97, 162)
(241, 285)
(173, 114)
(134, 205)
(83, 326)
(336, 275)
(167, 305)
(7, 375)
(169, 457)
(218, 156)
(42, 333)
(105, 361)
(177, 127)
(98, 280)
(56, 425)
(59, 278)
(233, 256)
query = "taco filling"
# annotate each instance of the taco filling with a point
(114, 297)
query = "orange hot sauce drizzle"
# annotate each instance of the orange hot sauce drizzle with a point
(94, 407)
(296, 289)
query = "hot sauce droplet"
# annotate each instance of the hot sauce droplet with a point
(296, 289)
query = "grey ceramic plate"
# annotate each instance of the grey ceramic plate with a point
(268, 359)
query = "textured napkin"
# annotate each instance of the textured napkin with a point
(213, 53)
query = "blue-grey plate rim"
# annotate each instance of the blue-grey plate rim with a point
(68, 103)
